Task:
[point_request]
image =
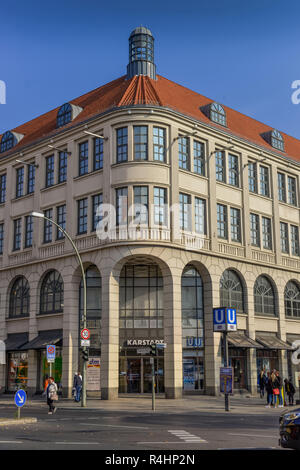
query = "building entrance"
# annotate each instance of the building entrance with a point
(136, 375)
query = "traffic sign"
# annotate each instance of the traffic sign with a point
(20, 398)
(85, 333)
(224, 319)
(85, 342)
(51, 353)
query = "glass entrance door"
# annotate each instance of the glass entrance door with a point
(138, 377)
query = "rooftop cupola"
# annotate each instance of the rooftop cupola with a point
(141, 53)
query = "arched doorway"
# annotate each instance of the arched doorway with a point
(140, 325)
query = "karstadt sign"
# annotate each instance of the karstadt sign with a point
(143, 342)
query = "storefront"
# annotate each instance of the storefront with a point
(17, 362)
(268, 358)
(238, 346)
(44, 369)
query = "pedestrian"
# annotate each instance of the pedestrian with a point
(289, 390)
(51, 394)
(77, 384)
(269, 390)
(262, 383)
(280, 388)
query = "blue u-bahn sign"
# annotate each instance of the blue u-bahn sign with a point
(225, 319)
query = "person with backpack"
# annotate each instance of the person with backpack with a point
(77, 384)
(51, 394)
(289, 390)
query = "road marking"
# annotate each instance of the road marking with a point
(170, 442)
(186, 436)
(11, 442)
(113, 426)
(76, 443)
(251, 435)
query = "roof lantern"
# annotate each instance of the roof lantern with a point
(141, 53)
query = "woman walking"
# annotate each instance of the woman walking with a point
(289, 390)
(51, 394)
(269, 390)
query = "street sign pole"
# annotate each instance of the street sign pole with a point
(225, 345)
(153, 384)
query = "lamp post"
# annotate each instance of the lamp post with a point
(42, 216)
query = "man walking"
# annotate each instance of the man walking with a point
(78, 386)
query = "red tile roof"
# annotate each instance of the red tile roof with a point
(162, 92)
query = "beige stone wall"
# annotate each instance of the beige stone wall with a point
(170, 252)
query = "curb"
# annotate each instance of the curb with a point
(8, 422)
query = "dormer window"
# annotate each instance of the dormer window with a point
(9, 140)
(277, 140)
(217, 114)
(67, 113)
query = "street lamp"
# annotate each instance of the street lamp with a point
(42, 216)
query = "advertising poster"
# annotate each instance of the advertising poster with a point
(93, 374)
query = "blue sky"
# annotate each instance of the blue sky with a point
(242, 54)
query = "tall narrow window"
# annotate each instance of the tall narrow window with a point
(121, 206)
(31, 179)
(252, 177)
(98, 154)
(217, 114)
(200, 216)
(220, 166)
(295, 240)
(2, 188)
(61, 220)
(62, 166)
(222, 221)
(97, 210)
(122, 145)
(28, 231)
(50, 171)
(64, 115)
(292, 190)
(52, 293)
(292, 300)
(264, 181)
(82, 218)
(19, 298)
(185, 211)
(141, 204)
(183, 153)
(266, 227)
(281, 187)
(1, 238)
(235, 225)
(160, 209)
(140, 134)
(284, 237)
(233, 170)
(199, 158)
(254, 230)
(17, 234)
(83, 158)
(48, 226)
(277, 140)
(20, 182)
(159, 144)
(231, 291)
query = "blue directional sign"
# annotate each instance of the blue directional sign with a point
(224, 319)
(20, 398)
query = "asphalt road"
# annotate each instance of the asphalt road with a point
(92, 429)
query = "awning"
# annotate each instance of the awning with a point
(44, 338)
(291, 338)
(272, 342)
(15, 341)
(240, 340)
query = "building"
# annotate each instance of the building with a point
(206, 205)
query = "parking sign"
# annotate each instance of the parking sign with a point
(51, 353)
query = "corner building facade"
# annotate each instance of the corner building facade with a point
(231, 238)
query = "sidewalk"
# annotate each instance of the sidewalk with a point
(188, 404)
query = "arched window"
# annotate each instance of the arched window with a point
(231, 291)
(64, 115)
(264, 298)
(52, 293)
(292, 300)
(19, 298)
(8, 141)
(94, 307)
(217, 114)
(277, 140)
